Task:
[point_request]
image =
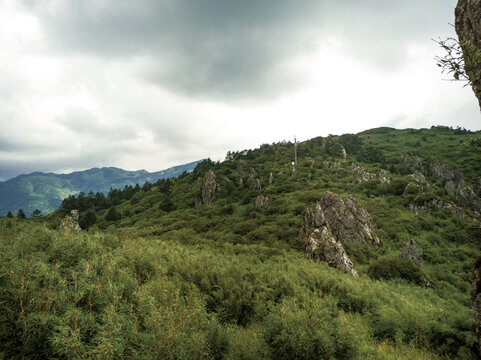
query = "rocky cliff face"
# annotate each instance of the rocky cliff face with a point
(468, 28)
(70, 222)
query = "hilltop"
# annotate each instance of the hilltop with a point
(45, 191)
(364, 249)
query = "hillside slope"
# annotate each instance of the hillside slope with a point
(45, 191)
(213, 264)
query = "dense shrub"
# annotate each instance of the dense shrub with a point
(392, 267)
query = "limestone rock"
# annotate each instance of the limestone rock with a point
(412, 163)
(468, 28)
(207, 187)
(443, 173)
(241, 183)
(429, 205)
(450, 189)
(348, 220)
(262, 201)
(463, 195)
(467, 197)
(70, 222)
(383, 177)
(271, 179)
(360, 174)
(256, 185)
(413, 252)
(417, 176)
(477, 186)
(253, 173)
(321, 246)
(343, 152)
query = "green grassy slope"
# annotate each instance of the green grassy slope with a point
(45, 191)
(157, 277)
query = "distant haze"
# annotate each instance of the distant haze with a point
(149, 84)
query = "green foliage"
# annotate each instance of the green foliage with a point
(112, 214)
(21, 214)
(392, 267)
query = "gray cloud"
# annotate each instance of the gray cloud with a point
(235, 49)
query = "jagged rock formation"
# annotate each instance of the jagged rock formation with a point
(434, 204)
(454, 185)
(262, 201)
(442, 173)
(360, 174)
(253, 173)
(321, 246)
(347, 219)
(70, 222)
(271, 178)
(343, 152)
(256, 185)
(207, 187)
(413, 252)
(293, 172)
(383, 177)
(412, 163)
(468, 28)
(476, 295)
(326, 164)
(241, 183)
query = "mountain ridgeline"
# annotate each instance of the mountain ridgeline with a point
(45, 191)
(363, 249)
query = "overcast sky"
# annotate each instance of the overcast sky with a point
(155, 83)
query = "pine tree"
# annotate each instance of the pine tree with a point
(21, 214)
(112, 215)
(36, 213)
(10, 215)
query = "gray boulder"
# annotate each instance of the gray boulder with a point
(413, 252)
(70, 222)
(261, 201)
(207, 188)
(383, 177)
(360, 174)
(412, 163)
(443, 173)
(348, 220)
(321, 246)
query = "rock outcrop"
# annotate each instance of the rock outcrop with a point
(241, 183)
(412, 163)
(321, 246)
(463, 195)
(256, 185)
(271, 178)
(413, 252)
(348, 221)
(443, 173)
(360, 174)
(207, 188)
(70, 222)
(468, 28)
(383, 177)
(262, 201)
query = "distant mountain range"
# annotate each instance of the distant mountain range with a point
(45, 191)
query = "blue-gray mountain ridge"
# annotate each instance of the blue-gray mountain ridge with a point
(45, 191)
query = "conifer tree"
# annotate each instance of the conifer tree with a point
(21, 214)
